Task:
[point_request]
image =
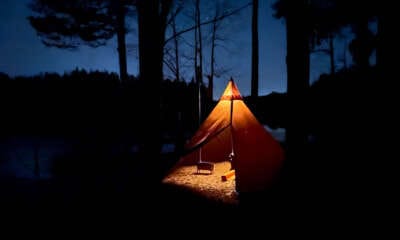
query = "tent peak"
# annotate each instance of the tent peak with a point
(231, 92)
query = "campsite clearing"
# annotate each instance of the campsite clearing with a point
(207, 185)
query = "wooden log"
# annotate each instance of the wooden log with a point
(228, 175)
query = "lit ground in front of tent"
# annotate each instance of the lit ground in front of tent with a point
(208, 185)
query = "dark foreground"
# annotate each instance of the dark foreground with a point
(328, 192)
(138, 205)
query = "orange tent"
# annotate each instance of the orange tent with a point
(231, 128)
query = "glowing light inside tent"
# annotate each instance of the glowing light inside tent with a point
(231, 92)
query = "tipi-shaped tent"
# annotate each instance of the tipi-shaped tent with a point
(232, 128)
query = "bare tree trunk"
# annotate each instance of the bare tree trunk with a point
(362, 46)
(197, 59)
(212, 69)
(200, 67)
(345, 55)
(254, 52)
(199, 85)
(177, 70)
(200, 41)
(123, 72)
(380, 47)
(331, 53)
(36, 159)
(151, 25)
(298, 71)
(150, 75)
(195, 54)
(196, 77)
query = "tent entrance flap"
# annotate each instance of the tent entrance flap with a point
(205, 139)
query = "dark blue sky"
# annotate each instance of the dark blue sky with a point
(22, 53)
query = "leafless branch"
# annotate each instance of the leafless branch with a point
(169, 65)
(225, 15)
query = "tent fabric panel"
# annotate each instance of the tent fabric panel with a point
(258, 156)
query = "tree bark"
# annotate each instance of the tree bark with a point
(177, 70)
(36, 159)
(200, 67)
(331, 53)
(198, 60)
(151, 25)
(298, 67)
(362, 46)
(254, 52)
(212, 69)
(121, 32)
(200, 42)
(196, 78)
(380, 44)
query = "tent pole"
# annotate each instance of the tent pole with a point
(200, 154)
(232, 154)
(199, 100)
(230, 124)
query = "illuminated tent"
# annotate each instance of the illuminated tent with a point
(232, 128)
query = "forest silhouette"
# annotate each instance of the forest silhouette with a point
(332, 126)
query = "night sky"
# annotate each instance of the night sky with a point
(22, 53)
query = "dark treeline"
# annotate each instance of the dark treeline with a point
(95, 104)
(344, 163)
(102, 118)
(83, 104)
(334, 164)
(334, 102)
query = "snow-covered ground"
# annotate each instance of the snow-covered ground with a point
(278, 134)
